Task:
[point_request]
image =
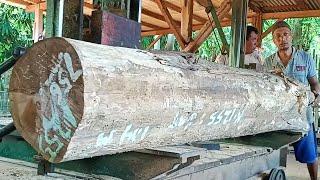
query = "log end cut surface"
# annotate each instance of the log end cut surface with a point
(46, 94)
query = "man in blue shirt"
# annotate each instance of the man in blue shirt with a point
(300, 66)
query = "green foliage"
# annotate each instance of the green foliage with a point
(15, 30)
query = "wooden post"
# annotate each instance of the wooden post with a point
(239, 26)
(38, 23)
(186, 19)
(163, 8)
(258, 23)
(64, 18)
(72, 100)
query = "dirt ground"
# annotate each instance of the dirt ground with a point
(9, 171)
(296, 170)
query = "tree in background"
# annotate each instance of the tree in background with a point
(15, 30)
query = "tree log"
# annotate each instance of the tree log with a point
(72, 100)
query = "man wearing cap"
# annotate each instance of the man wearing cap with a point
(297, 64)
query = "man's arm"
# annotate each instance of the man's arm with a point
(315, 86)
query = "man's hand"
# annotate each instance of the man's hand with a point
(316, 99)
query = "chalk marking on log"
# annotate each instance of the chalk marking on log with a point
(133, 135)
(58, 94)
(128, 136)
(105, 140)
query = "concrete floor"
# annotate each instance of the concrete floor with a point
(296, 170)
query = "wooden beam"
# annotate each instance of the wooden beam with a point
(156, 16)
(292, 14)
(170, 22)
(264, 34)
(16, 3)
(179, 10)
(150, 25)
(32, 8)
(154, 41)
(258, 23)
(208, 27)
(170, 31)
(186, 19)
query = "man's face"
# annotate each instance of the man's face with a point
(282, 38)
(251, 43)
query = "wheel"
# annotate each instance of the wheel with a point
(277, 174)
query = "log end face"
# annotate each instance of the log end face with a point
(46, 96)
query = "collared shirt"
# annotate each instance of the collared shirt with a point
(251, 61)
(300, 67)
(255, 59)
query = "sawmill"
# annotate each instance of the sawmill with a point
(86, 101)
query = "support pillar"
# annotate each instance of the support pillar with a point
(65, 18)
(38, 23)
(239, 26)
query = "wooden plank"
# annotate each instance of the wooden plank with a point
(293, 14)
(170, 22)
(72, 100)
(182, 152)
(186, 20)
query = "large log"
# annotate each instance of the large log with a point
(73, 100)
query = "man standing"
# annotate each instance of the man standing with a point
(300, 66)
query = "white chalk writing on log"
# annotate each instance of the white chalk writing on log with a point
(186, 120)
(128, 136)
(225, 116)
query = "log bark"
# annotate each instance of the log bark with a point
(73, 100)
